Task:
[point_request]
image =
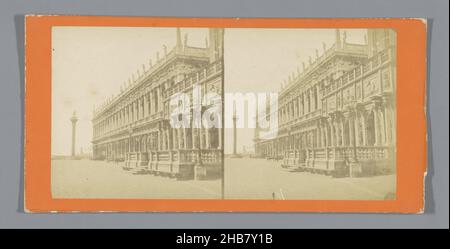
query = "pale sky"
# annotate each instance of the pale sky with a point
(90, 64)
(258, 60)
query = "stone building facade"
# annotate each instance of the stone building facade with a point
(339, 115)
(134, 126)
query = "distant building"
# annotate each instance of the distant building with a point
(134, 126)
(339, 115)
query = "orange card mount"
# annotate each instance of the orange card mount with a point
(350, 121)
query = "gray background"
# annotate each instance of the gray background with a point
(11, 111)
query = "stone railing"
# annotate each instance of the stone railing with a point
(349, 77)
(341, 153)
(186, 155)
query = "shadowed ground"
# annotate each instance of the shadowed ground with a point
(249, 178)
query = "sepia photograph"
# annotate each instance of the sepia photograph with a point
(311, 114)
(145, 116)
(221, 115)
(119, 95)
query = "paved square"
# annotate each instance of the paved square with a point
(245, 178)
(100, 179)
(250, 178)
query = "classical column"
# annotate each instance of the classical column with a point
(323, 135)
(123, 117)
(185, 138)
(280, 114)
(376, 121)
(299, 103)
(234, 134)
(202, 138)
(144, 107)
(167, 141)
(219, 130)
(303, 110)
(291, 103)
(149, 103)
(155, 100)
(74, 120)
(208, 138)
(144, 143)
(133, 112)
(156, 105)
(319, 137)
(355, 124)
(319, 99)
(174, 138)
(390, 125)
(138, 108)
(118, 118)
(127, 114)
(158, 140)
(179, 138)
(363, 120)
(289, 111)
(333, 133)
(195, 138)
(160, 102)
(383, 126)
(312, 100)
(336, 133)
(294, 108)
(307, 102)
(170, 144)
(341, 131)
(130, 112)
(189, 138)
(351, 128)
(163, 139)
